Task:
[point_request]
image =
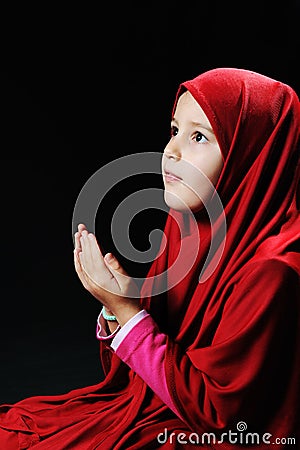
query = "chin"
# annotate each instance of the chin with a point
(181, 204)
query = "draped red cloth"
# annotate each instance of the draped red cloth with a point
(233, 347)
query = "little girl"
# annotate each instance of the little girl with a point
(206, 358)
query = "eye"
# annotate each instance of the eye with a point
(199, 137)
(174, 131)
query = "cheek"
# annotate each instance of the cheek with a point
(201, 183)
(215, 171)
(199, 189)
(198, 185)
(209, 169)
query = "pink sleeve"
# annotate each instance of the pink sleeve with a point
(119, 332)
(144, 338)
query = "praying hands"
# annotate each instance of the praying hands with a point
(104, 277)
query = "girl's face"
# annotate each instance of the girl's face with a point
(192, 160)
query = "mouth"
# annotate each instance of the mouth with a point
(170, 177)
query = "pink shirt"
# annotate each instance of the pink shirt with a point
(140, 336)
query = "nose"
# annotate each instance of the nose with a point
(172, 151)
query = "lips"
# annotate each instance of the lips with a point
(169, 176)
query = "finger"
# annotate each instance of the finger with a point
(77, 261)
(85, 254)
(88, 263)
(83, 266)
(95, 249)
(84, 242)
(76, 254)
(79, 270)
(81, 227)
(77, 236)
(87, 279)
(98, 260)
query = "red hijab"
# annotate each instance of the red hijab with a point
(233, 338)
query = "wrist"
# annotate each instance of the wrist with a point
(107, 314)
(126, 313)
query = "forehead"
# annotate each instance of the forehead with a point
(189, 109)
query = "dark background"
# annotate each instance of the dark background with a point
(80, 87)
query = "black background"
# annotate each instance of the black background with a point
(80, 87)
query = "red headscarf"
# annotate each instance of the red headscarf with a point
(233, 339)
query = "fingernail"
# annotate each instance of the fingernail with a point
(109, 257)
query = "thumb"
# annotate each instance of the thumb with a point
(125, 282)
(114, 264)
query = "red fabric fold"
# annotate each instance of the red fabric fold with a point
(242, 365)
(233, 340)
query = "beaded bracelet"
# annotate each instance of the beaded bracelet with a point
(107, 316)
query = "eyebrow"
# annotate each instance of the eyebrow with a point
(198, 124)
